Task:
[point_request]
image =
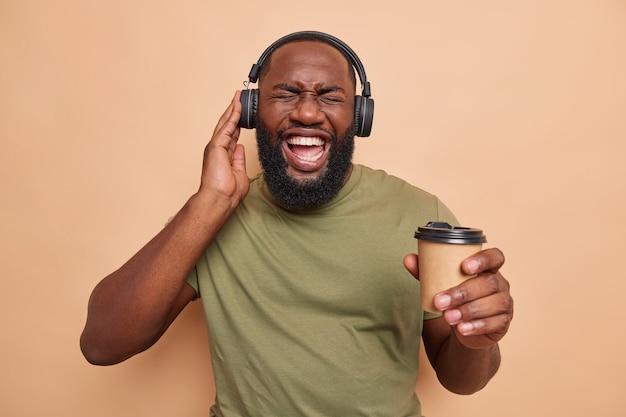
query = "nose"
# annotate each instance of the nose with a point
(307, 110)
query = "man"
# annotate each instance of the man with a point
(302, 270)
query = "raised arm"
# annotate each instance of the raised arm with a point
(131, 308)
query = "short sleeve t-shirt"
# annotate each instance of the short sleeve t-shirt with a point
(311, 312)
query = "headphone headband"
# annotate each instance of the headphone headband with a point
(313, 35)
(363, 104)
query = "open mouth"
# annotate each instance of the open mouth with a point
(306, 148)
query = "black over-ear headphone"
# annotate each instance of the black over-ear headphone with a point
(363, 104)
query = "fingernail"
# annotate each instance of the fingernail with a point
(465, 328)
(453, 316)
(472, 266)
(443, 301)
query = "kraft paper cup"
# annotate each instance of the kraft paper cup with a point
(441, 249)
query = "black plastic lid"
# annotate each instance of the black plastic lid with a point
(445, 233)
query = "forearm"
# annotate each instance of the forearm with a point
(463, 370)
(129, 309)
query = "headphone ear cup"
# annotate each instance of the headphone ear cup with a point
(363, 115)
(248, 99)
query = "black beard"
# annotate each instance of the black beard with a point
(310, 193)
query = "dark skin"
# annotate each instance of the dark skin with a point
(309, 91)
(131, 308)
(462, 345)
(308, 98)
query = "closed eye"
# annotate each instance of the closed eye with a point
(286, 92)
(332, 99)
(332, 95)
(327, 95)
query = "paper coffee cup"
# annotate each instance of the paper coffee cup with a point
(441, 249)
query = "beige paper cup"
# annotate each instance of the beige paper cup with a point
(441, 249)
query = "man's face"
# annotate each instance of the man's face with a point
(305, 129)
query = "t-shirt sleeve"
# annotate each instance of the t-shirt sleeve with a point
(192, 279)
(444, 214)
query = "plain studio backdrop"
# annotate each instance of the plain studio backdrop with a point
(512, 112)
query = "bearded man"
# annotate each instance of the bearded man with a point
(306, 271)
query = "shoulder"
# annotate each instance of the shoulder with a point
(384, 182)
(389, 190)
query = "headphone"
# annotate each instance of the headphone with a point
(363, 104)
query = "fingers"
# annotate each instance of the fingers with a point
(224, 162)
(494, 326)
(411, 264)
(482, 305)
(472, 289)
(486, 260)
(227, 127)
(491, 314)
(239, 159)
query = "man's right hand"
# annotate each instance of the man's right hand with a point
(224, 167)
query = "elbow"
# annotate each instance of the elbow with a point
(464, 389)
(470, 381)
(96, 353)
(93, 355)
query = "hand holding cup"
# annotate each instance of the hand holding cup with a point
(475, 299)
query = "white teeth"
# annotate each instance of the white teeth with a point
(311, 158)
(305, 141)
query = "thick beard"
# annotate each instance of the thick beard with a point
(309, 193)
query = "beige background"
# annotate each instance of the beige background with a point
(513, 112)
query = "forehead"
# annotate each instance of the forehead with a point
(309, 61)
